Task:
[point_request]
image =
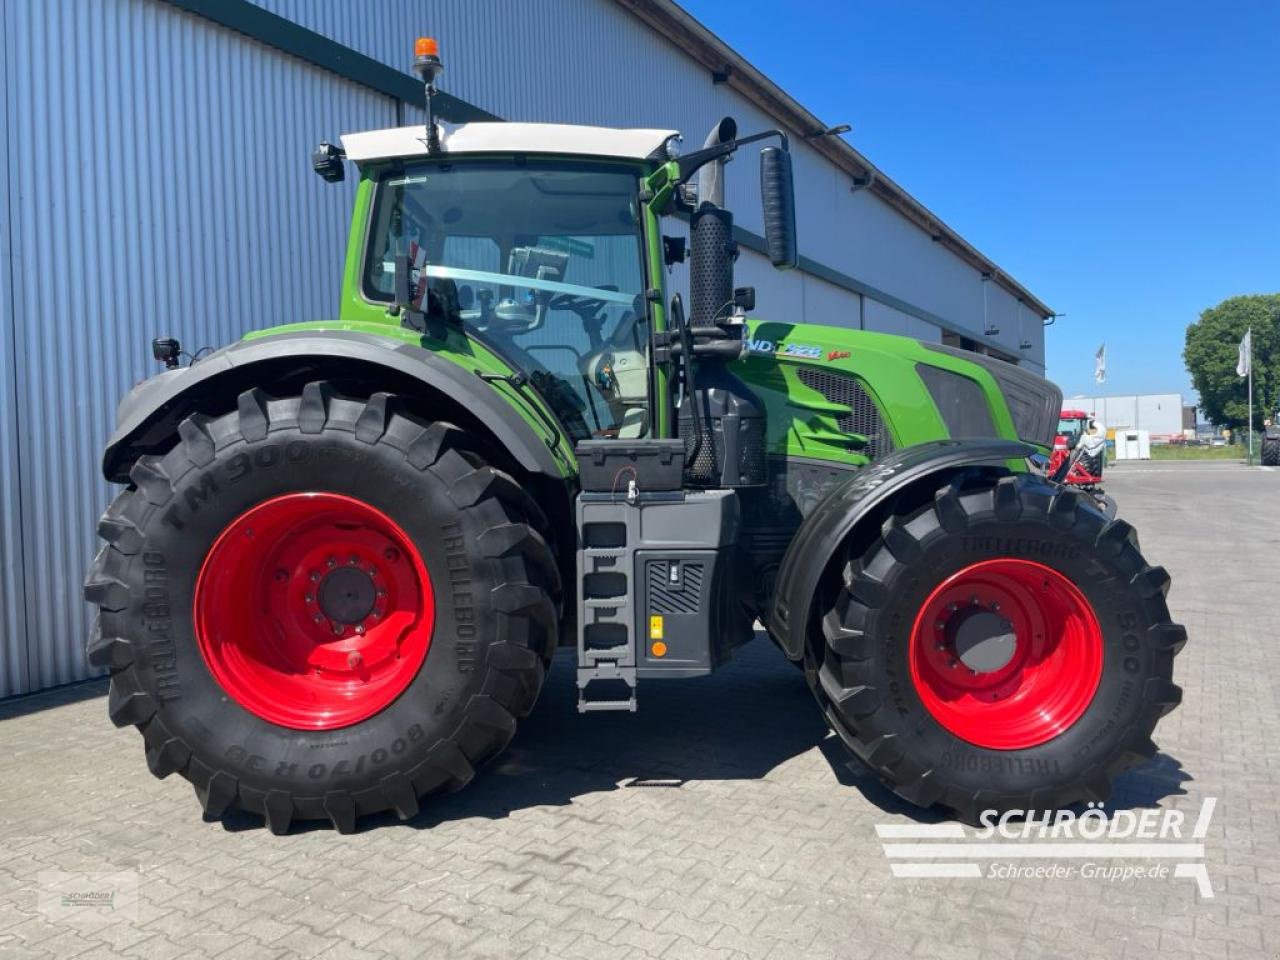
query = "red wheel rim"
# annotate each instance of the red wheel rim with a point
(1006, 654)
(313, 610)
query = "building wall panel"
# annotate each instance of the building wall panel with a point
(1160, 413)
(159, 183)
(13, 647)
(828, 304)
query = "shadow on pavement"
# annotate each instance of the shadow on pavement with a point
(739, 724)
(57, 697)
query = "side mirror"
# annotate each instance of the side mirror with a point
(326, 160)
(777, 194)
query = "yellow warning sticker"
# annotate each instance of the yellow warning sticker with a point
(655, 627)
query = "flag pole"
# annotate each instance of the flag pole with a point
(1249, 336)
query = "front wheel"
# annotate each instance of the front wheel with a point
(1271, 452)
(1004, 647)
(319, 608)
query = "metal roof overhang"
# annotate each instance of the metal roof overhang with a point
(683, 30)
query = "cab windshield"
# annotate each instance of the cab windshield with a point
(1070, 425)
(541, 260)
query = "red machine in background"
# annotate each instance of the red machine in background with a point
(1071, 463)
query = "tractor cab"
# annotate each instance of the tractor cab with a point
(1072, 425)
(543, 245)
(537, 256)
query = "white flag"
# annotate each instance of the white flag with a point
(1100, 364)
(1245, 359)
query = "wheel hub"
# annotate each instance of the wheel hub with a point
(347, 595)
(984, 641)
(1006, 653)
(314, 610)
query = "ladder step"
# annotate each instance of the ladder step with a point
(603, 706)
(606, 671)
(608, 534)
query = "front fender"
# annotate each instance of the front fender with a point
(150, 414)
(834, 519)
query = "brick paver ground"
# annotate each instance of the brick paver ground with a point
(721, 821)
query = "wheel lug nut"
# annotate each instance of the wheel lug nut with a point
(973, 601)
(354, 660)
(392, 554)
(282, 575)
(311, 598)
(940, 625)
(952, 664)
(337, 629)
(317, 618)
(359, 628)
(314, 577)
(331, 562)
(354, 560)
(953, 607)
(995, 605)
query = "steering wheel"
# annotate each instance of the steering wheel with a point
(585, 307)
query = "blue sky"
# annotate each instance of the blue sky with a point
(1121, 159)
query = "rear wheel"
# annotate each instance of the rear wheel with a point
(1004, 647)
(320, 608)
(1271, 452)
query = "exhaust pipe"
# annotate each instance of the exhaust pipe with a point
(711, 177)
(711, 247)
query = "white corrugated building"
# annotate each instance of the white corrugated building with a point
(1160, 414)
(157, 181)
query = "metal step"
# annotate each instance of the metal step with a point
(588, 675)
(613, 665)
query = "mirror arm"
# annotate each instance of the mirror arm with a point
(403, 305)
(691, 162)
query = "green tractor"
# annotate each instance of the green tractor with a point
(345, 552)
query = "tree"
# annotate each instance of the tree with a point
(1211, 353)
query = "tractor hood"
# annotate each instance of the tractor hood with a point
(822, 385)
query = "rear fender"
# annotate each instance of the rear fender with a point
(149, 416)
(855, 501)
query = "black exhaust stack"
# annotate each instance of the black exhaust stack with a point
(724, 435)
(711, 255)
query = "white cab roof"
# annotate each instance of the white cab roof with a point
(506, 138)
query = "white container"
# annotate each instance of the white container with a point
(1133, 444)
